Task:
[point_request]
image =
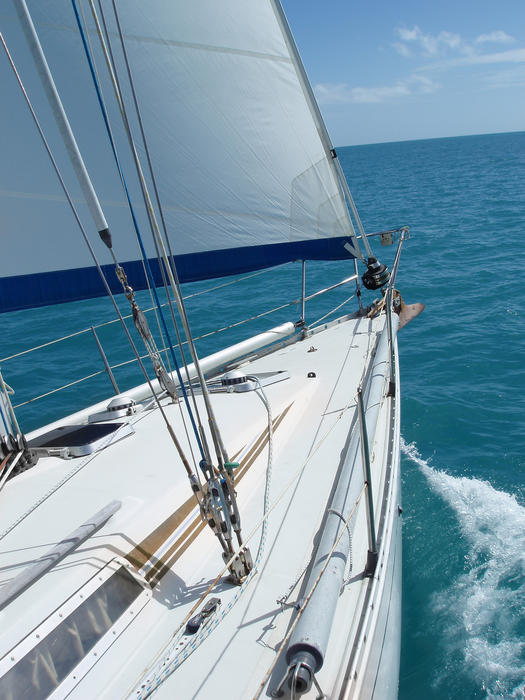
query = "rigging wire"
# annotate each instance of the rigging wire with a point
(143, 265)
(94, 257)
(149, 274)
(171, 270)
(193, 642)
(108, 55)
(170, 657)
(332, 311)
(217, 502)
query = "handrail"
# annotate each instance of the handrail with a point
(108, 367)
(389, 300)
(402, 230)
(151, 308)
(405, 233)
(48, 560)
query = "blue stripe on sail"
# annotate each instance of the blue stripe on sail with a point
(44, 288)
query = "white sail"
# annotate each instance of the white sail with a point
(256, 561)
(241, 159)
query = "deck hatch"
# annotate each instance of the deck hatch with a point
(78, 440)
(37, 666)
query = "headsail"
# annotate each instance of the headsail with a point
(243, 165)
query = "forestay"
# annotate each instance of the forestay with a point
(243, 165)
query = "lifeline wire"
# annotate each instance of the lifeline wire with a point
(106, 46)
(170, 664)
(222, 455)
(143, 265)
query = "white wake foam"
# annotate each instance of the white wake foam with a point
(484, 608)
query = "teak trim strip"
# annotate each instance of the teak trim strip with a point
(144, 552)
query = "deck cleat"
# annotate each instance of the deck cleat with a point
(195, 622)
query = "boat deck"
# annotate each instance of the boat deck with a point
(157, 534)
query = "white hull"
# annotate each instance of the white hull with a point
(158, 536)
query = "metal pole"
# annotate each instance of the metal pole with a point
(371, 560)
(9, 407)
(105, 361)
(357, 287)
(329, 289)
(405, 234)
(392, 380)
(303, 293)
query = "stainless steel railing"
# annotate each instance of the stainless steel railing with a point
(108, 368)
(300, 302)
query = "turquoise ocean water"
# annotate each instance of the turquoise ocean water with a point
(463, 385)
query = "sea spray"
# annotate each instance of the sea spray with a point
(483, 609)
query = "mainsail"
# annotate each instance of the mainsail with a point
(242, 162)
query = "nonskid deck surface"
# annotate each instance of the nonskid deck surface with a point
(158, 531)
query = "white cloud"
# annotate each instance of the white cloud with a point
(429, 44)
(378, 94)
(498, 37)
(342, 93)
(424, 84)
(402, 49)
(442, 51)
(448, 50)
(445, 43)
(409, 34)
(507, 78)
(511, 56)
(332, 93)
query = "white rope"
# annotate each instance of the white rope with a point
(83, 463)
(306, 600)
(168, 665)
(349, 564)
(266, 507)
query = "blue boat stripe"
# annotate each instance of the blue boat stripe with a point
(44, 288)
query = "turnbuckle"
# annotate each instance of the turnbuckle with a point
(241, 565)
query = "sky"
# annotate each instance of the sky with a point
(391, 70)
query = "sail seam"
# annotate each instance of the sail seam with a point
(208, 47)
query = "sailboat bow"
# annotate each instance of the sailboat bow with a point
(232, 525)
